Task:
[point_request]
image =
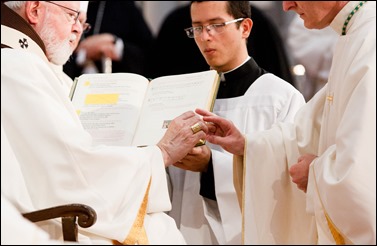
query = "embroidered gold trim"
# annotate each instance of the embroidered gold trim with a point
(137, 234)
(339, 239)
(335, 233)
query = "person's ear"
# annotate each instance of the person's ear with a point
(33, 11)
(246, 25)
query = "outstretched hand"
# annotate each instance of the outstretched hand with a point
(223, 132)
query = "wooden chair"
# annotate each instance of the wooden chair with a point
(71, 215)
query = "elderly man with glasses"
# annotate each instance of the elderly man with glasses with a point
(73, 16)
(251, 97)
(59, 163)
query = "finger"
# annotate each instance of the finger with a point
(220, 122)
(199, 126)
(196, 150)
(187, 115)
(200, 136)
(212, 128)
(203, 112)
(215, 139)
(180, 165)
(204, 126)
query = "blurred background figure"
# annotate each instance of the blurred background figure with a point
(156, 11)
(180, 54)
(118, 41)
(312, 52)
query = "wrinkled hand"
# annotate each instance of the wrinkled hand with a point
(300, 171)
(223, 132)
(99, 45)
(179, 138)
(196, 160)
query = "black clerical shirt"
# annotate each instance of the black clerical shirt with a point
(235, 84)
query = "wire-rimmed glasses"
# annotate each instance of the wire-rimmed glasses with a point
(86, 27)
(72, 18)
(212, 29)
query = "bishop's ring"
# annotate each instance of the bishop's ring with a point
(196, 128)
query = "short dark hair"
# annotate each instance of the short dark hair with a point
(237, 9)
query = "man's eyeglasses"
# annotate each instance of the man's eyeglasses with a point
(86, 27)
(72, 17)
(213, 29)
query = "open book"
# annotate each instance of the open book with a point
(127, 109)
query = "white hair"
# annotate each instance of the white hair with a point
(58, 51)
(84, 6)
(15, 5)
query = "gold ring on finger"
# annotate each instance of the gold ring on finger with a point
(196, 128)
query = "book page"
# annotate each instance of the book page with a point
(109, 105)
(169, 97)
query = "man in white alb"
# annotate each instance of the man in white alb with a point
(329, 152)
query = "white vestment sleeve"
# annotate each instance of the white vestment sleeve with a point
(274, 210)
(61, 165)
(258, 110)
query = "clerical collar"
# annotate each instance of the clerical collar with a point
(249, 68)
(238, 81)
(222, 75)
(248, 58)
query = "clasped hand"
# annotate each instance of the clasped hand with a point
(99, 45)
(300, 171)
(223, 132)
(179, 138)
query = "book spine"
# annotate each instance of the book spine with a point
(73, 88)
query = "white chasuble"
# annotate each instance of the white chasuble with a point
(59, 163)
(339, 126)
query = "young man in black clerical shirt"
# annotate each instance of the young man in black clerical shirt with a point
(251, 97)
